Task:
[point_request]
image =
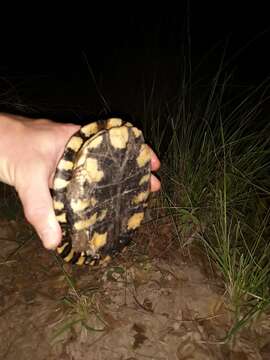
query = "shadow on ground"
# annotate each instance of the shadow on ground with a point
(154, 301)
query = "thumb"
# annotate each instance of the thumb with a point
(38, 210)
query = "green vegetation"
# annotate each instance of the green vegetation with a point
(213, 141)
(81, 309)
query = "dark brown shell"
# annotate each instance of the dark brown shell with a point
(100, 190)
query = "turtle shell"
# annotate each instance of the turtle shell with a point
(100, 190)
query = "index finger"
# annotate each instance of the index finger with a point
(155, 163)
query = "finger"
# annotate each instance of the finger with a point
(38, 209)
(154, 183)
(155, 163)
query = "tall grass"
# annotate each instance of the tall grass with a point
(214, 144)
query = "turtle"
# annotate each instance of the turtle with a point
(101, 190)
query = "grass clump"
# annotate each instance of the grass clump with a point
(82, 311)
(214, 146)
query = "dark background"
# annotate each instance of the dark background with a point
(119, 56)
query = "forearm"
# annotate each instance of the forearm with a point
(29, 152)
(11, 130)
(25, 143)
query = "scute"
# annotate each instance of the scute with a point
(101, 199)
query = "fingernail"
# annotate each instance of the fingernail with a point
(50, 238)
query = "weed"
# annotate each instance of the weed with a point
(216, 182)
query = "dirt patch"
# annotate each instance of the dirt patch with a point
(151, 302)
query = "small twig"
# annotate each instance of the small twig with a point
(142, 306)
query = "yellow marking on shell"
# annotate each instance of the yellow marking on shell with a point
(119, 137)
(140, 197)
(135, 221)
(102, 215)
(58, 205)
(94, 174)
(84, 224)
(89, 129)
(92, 263)
(79, 205)
(144, 179)
(69, 256)
(79, 177)
(113, 122)
(98, 241)
(81, 260)
(136, 132)
(60, 184)
(81, 160)
(93, 201)
(91, 143)
(128, 124)
(75, 143)
(95, 142)
(61, 218)
(65, 164)
(106, 260)
(60, 249)
(144, 155)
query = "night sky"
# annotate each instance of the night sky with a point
(125, 52)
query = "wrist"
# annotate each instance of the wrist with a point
(26, 143)
(9, 126)
(11, 129)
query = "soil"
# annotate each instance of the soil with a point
(154, 301)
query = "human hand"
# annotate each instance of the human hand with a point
(29, 153)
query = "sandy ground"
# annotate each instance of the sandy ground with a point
(154, 301)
